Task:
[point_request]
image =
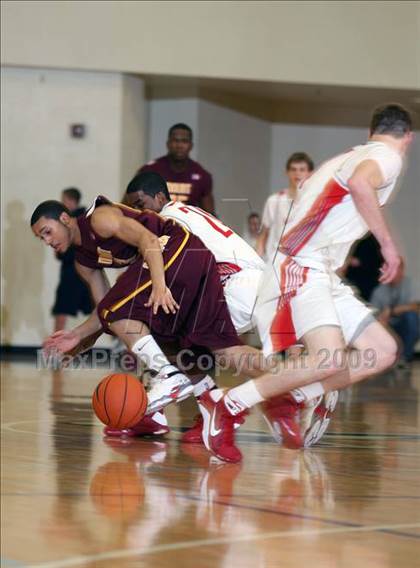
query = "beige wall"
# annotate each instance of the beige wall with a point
(236, 150)
(39, 159)
(361, 43)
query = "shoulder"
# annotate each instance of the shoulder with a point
(380, 152)
(105, 219)
(154, 164)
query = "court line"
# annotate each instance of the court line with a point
(123, 553)
(253, 436)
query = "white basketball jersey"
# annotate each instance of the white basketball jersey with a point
(325, 222)
(227, 247)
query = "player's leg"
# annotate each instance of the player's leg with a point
(371, 350)
(219, 419)
(168, 383)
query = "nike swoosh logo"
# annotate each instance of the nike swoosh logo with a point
(213, 430)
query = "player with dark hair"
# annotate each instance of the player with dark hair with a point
(71, 198)
(187, 180)
(167, 267)
(303, 298)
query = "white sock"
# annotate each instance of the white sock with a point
(204, 385)
(149, 352)
(308, 392)
(242, 397)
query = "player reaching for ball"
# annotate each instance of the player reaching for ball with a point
(240, 269)
(170, 289)
(303, 298)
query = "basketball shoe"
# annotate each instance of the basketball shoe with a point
(320, 419)
(165, 389)
(219, 428)
(282, 416)
(194, 435)
(154, 425)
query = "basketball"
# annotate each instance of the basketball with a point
(119, 400)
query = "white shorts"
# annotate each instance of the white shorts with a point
(241, 295)
(320, 299)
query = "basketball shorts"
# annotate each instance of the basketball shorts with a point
(241, 295)
(293, 300)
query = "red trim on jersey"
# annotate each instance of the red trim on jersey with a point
(282, 330)
(226, 269)
(297, 237)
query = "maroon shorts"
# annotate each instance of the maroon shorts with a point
(191, 275)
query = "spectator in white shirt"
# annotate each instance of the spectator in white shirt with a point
(278, 207)
(252, 229)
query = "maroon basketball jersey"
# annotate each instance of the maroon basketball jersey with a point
(99, 252)
(189, 186)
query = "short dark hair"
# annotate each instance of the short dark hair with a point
(180, 126)
(150, 183)
(73, 193)
(50, 210)
(392, 119)
(300, 157)
(253, 214)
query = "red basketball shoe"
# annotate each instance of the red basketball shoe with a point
(153, 425)
(194, 435)
(219, 428)
(282, 416)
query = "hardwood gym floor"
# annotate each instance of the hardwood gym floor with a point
(70, 498)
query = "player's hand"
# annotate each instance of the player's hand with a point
(162, 298)
(392, 263)
(61, 342)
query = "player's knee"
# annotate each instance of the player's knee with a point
(387, 353)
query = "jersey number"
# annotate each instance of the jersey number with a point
(215, 223)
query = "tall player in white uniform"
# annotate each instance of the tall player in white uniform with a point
(302, 297)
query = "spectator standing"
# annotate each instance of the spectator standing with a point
(187, 180)
(252, 229)
(397, 308)
(278, 207)
(72, 295)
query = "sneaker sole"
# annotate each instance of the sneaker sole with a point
(319, 427)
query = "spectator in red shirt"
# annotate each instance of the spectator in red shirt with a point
(187, 180)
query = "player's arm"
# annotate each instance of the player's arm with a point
(110, 222)
(84, 336)
(262, 238)
(363, 185)
(96, 279)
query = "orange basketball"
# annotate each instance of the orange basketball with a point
(119, 401)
